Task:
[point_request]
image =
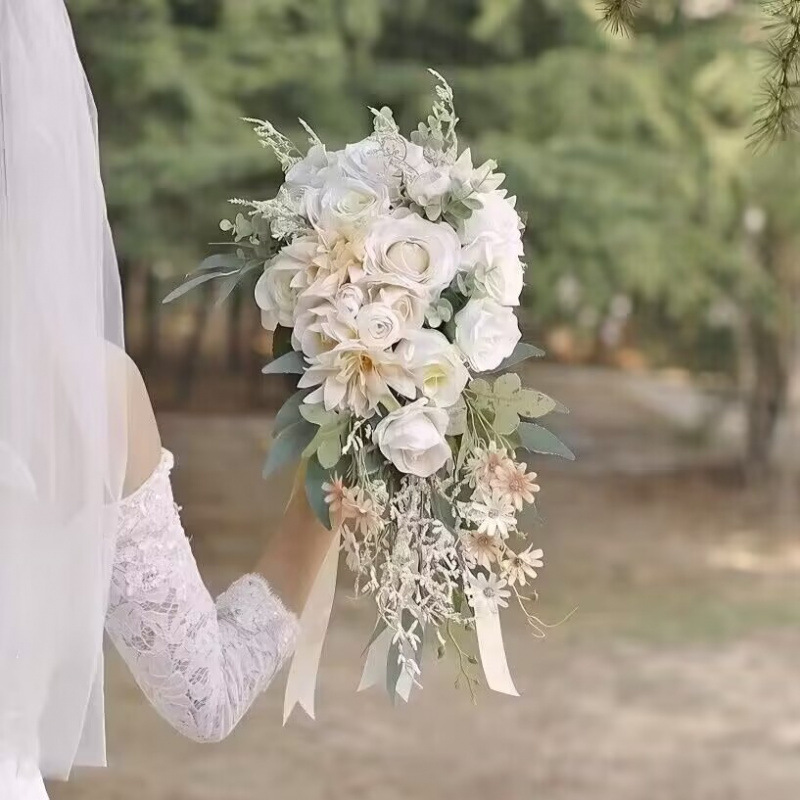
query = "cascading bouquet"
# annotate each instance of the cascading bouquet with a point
(391, 271)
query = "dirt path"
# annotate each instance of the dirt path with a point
(676, 680)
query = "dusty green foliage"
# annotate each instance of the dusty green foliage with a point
(619, 15)
(778, 109)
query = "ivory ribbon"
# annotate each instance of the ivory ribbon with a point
(302, 681)
(493, 653)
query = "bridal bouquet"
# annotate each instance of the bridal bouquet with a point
(391, 273)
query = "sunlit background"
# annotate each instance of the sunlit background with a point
(664, 283)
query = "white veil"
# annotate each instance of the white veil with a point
(62, 437)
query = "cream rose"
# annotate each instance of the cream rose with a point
(311, 171)
(278, 288)
(406, 247)
(486, 333)
(429, 187)
(413, 438)
(409, 305)
(345, 205)
(382, 161)
(496, 268)
(497, 216)
(435, 364)
(379, 325)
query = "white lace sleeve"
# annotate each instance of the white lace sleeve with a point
(199, 663)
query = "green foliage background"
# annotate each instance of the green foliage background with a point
(628, 154)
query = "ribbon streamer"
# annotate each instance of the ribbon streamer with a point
(493, 653)
(302, 681)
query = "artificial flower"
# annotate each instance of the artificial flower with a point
(486, 333)
(407, 247)
(435, 364)
(481, 548)
(379, 325)
(488, 591)
(495, 268)
(493, 514)
(356, 378)
(484, 463)
(521, 566)
(497, 216)
(513, 483)
(413, 438)
(276, 291)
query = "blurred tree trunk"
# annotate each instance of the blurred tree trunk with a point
(767, 395)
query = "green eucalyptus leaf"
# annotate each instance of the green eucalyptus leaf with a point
(316, 476)
(316, 414)
(537, 439)
(506, 420)
(193, 283)
(288, 446)
(289, 412)
(522, 352)
(330, 451)
(506, 386)
(534, 404)
(292, 363)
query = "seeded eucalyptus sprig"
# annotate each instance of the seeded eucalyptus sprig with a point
(778, 115)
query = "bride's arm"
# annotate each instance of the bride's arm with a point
(201, 663)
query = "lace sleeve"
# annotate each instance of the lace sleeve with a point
(199, 663)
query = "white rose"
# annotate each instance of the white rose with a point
(412, 438)
(496, 268)
(496, 216)
(311, 171)
(486, 333)
(408, 304)
(409, 248)
(379, 325)
(382, 161)
(435, 364)
(429, 187)
(345, 205)
(278, 288)
(349, 299)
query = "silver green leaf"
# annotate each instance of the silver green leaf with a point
(289, 412)
(288, 446)
(522, 352)
(289, 363)
(316, 476)
(537, 439)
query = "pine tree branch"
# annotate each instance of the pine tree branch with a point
(778, 110)
(619, 15)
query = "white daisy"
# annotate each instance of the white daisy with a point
(488, 591)
(493, 514)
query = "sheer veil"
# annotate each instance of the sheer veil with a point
(62, 431)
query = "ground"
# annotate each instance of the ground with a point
(675, 679)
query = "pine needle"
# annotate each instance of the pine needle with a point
(618, 16)
(778, 110)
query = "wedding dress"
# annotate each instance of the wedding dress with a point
(201, 664)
